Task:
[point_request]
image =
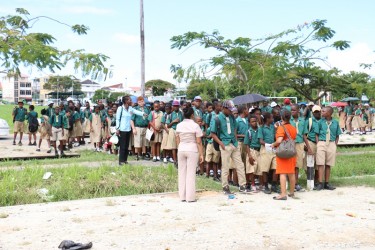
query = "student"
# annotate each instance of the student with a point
(154, 119)
(111, 130)
(252, 144)
(33, 124)
(242, 127)
(168, 144)
(19, 114)
(348, 110)
(44, 130)
(77, 127)
(56, 122)
(96, 125)
(68, 126)
(86, 117)
(197, 106)
(266, 136)
(309, 137)
(356, 121)
(299, 123)
(199, 121)
(327, 136)
(139, 126)
(363, 121)
(50, 110)
(226, 138)
(212, 156)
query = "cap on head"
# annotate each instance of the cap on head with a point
(229, 105)
(311, 104)
(197, 98)
(273, 104)
(20, 101)
(175, 103)
(287, 101)
(316, 108)
(50, 102)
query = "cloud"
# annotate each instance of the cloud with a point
(126, 38)
(350, 59)
(87, 10)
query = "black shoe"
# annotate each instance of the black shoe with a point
(121, 163)
(62, 154)
(38, 150)
(30, 144)
(226, 190)
(14, 143)
(298, 188)
(231, 183)
(319, 187)
(275, 189)
(49, 151)
(34, 144)
(217, 179)
(329, 186)
(137, 158)
(267, 190)
(243, 189)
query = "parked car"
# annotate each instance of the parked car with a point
(4, 128)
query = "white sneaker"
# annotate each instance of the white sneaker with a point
(76, 144)
(157, 158)
(165, 160)
(211, 172)
(171, 160)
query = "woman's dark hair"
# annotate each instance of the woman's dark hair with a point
(188, 104)
(125, 98)
(266, 116)
(241, 109)
(188, 112)
(208, 104)
(43, 111)
(251, 116)
(286, 115)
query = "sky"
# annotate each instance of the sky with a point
(114, 29)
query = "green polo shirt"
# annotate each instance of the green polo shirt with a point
(211, 117)
(223, 133)
(86, 114)
(66, 122)
(301, 128)
(31, 115)
(357, 112)
(321, 129)
(20, 114)
(76, 116)
(242, 127)
(56, 121)
(198, 112)
(365, 117)
(267, 133)
(267, 109)
(176, 115)
(50, 111)
(150, 115)
(251, 138)
(348, 110)
(167, 118)
(310, 129)
(208, 132)
(62, 112)
(102, 118)
(140, 121)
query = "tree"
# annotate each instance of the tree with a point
(159, 87)
(256, 64)
(106, 94)
(207, 89)
(20, 46)
(63, 84)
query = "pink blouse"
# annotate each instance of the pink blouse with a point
(188, 131)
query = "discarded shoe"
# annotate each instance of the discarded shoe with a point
(71, 245)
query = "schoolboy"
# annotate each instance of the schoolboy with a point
(299, 123)
(154, 119)
(252, 144)
(168, 145)
(19, 114)
(228, 147)
(33, 124)
(327, 136)
(57, 125)
(139, 126)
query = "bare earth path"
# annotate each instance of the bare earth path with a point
(344, 218)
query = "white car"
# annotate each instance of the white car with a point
(4, 128)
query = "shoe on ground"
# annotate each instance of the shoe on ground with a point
(319, 187)
(217, 179)
(76, 144)
(267, 190)
(14, 143)
(30, 144)
(157, 158)
(328, 186)
(243, 189)
(275, 189)
(253, 188)
(298, 188)
(211, 173)
(154, 159)
(226, 190)
(34, 144)
(38, 150)
(171, 160)
(19, 143)
(165, 160)
(49, 151)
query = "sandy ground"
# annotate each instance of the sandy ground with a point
(344, 218)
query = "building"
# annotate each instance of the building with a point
(40, 94)
(134, 91)
(17, 88)
(89, 87)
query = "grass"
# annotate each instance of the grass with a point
(78, 182)
(6, 113)
(355, 149)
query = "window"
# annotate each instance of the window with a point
(22, 92)
(28, 92)
(22, 84)
(16, 86)
(28, 85)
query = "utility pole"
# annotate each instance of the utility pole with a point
(142, 27)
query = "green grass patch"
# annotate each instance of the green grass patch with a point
(78, 182)
(354, 165)
(355, 149)
(6, 113)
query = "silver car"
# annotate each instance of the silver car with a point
(4, 128)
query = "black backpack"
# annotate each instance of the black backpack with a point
(33, 124)
(71, 123)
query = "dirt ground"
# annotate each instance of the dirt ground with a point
(344, 218)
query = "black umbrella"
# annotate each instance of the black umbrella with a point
(248, 98)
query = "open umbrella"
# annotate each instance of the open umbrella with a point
(350, 99)
(338, 104)
(248, 98)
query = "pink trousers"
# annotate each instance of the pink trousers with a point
(187, 165)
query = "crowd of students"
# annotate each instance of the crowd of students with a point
(236, 141)
(356, 118)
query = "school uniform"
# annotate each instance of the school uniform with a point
(242, 127)
(19, 119)
(198, 113)
(56, 122)
(348, 110)
(169, 139)
(141, 125)
(299, 124)
(211, 154)
(155, 119)
(96, 122)
(228, 126)
(50, 112)
(45, 129)
(188, 157)
(356, 122)
(251, 140)
(30, 115)
(311, 125)
(267, 159)
(67, 128)
(77, 126)
(85, 115)
(267, 109)
(326, 147)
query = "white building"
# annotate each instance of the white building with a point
(89, 87)
(17, 88)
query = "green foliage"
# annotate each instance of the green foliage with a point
(19, 46)
(63, 84)
(106, 94)
(264, 65)
(206, 89)
(159, 87)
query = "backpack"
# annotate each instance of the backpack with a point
(287, 148)
(218, 128)
(33, 124)
(71, 123)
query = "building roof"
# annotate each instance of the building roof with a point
(115, 86)
(87, 82)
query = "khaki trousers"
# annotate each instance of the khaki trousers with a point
(187, 164)
(349, 122)
(232, 152)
